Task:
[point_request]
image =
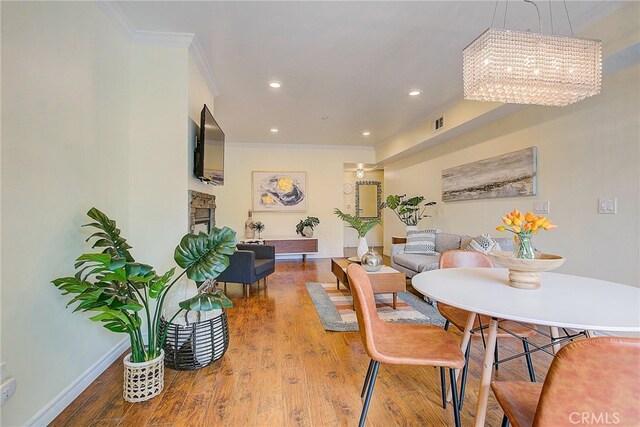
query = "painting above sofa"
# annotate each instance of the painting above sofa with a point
(508, 175)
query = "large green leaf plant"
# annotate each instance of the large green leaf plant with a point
(362, 226)
(408, 210)
(118, 289)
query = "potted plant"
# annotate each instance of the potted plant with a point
(305, 226)
(408, 210)
(259, 227)
(118, 289)
(362, 227)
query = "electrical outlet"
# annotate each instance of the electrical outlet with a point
(608, 206)
(7, 388)
(541, 207)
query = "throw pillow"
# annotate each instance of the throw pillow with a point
(483, 243)
(421, 242)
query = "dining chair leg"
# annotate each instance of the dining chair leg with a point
(454, 392)
(495, 356)
(443, 388)
(484, 343)
(366, 378)
(465, 371)
(505, 422)
(527, 355)
(446, 325)
(367, 400)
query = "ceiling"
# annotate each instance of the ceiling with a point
(345, 67)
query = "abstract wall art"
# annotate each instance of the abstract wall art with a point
(279, 191)
(508, 175)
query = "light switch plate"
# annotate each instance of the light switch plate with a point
(608, 205)
(541, 207)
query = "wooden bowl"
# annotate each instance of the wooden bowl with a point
(525, 273)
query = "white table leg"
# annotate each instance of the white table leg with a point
(487, 370)
(463, 345)
(555, 334)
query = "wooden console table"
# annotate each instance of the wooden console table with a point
(293, 245)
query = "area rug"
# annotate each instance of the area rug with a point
(335, 308)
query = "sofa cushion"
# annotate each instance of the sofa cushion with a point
(506, 243)
(483, 243)
(417, 262)
(263, 265)
(447, 242)
(421, 242)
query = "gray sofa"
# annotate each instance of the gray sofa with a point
(412, 264)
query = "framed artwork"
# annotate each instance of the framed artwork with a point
(508, 175)
(279, 191)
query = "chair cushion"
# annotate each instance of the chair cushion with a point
(417, 262)
(263, 265)
(518, 400)
(421, 241)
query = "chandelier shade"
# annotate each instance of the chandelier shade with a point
(531, 68)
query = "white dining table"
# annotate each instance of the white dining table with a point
(562, 301)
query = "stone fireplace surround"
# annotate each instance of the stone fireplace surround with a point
(202, 211)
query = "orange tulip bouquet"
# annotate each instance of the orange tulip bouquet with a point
(524, 226)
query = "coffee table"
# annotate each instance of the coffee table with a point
(384, 281)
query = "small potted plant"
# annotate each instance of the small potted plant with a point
(409, 211)
(305, 226)
(259, 227)
(362, 227)
(119, 291)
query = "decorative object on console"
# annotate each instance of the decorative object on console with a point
(258, 227)
(408, 210)
(508, 175)
(362, 227)
(421, 242)
(249, 231)
(305, 226)
(279, 191)
(531, 68)
(372, 261)
(524, 226)
(116, 287)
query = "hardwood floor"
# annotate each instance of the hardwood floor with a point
(282, 368)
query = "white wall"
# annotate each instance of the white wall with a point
(585, 151)
(158, 153)
(64, 149)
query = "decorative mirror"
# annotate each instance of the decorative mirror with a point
(368, 199)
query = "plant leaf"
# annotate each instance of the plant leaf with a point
(118, 245)
(156, 286)
(206, 302)
(206, 256)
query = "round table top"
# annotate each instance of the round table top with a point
(562, 300)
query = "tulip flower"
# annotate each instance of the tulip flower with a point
(529, 217)
(500, 228)
(506, 220)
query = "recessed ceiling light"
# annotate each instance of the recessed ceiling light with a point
(274, 130)
(415, 93)
(366, 133)
(275, 85)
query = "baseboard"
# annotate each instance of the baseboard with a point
(47, 414)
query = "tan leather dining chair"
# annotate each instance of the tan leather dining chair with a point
(458, 316)
(594, 381)
(399, 343)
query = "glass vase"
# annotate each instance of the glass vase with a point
(523, 248)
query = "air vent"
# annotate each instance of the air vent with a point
(438, 123)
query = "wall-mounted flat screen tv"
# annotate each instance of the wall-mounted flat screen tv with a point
(209, 153)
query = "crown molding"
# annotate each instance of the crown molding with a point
(203, 65)
(300, 146)
(157, 38)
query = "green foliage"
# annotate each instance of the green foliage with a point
(116, 288)
(311, 221)
(408, 211)
(362, 226)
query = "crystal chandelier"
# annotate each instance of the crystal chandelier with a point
(359, 173)
(531, 68)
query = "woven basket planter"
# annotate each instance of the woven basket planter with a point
(197, 344)
(144, 380)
